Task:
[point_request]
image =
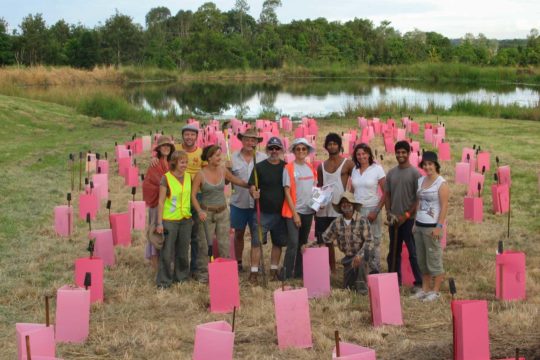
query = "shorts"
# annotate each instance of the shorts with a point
(240, 218)
(275, 225)
(428, 251)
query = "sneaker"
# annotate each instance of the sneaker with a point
(419, 295)
(253, 280)
(431, 296)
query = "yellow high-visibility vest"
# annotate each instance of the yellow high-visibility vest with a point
(178, 204)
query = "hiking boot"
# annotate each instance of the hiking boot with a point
(253, 278)
(274, 275)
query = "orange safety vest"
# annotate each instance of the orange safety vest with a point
(286, 211)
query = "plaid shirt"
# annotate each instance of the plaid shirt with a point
(351, 239)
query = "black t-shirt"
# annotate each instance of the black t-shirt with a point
(271, 186)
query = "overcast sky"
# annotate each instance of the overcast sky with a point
(501, 19)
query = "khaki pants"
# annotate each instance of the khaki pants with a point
(216, 225)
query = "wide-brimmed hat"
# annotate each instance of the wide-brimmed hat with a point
(251, 133)
(431, 157)
(164, 140)
(301, 141)
(350, 198)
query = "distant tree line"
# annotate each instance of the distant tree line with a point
(210, 39)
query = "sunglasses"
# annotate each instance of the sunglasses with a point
(274, 148)
(300, 148)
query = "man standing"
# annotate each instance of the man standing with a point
(271, 196)
(189, 145)
(400, 188)
(334, 171)
(242, 204)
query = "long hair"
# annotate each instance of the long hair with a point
(367, 149)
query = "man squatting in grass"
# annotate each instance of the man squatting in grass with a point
(335, 170)
(400, 187)
(352, 234)
(271, 196)
(242, 204)
(189, 145)
(431, 209)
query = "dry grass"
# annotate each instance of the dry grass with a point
(52, 75)
(138, 322)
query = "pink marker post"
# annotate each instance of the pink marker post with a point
(121, 229)
(214, 340)
(293, 321)
(316, 272)
(444, 151)
(88, 204)
(470, 324)
(463, 171)
(353, 352)
(63, 219)
(385, 299)
(223, 285)
(89, 274)
(41, 337)
(72, 314)
(407, 277)
(104, 246)
(510, 276)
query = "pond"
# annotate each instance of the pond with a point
(315, 97)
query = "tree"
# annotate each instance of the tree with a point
(242, 7)
(122, 40)
(6, 55)
(34, 40)
(83, 50)
(268, 12)
(157, 16)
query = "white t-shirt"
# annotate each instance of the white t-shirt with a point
(366, 185)
(429, 206)
(305, 181)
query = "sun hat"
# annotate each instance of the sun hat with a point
(190, 127)
(301, 141)
(274, 141)
(431, 157)
(250, 133)
(350, 198)
(164, 140)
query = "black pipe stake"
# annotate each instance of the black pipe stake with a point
(133, 191)
(91, 186)
(336, 337)
(105, 155)
(233, 317)
(483, 169)
(47, 319)
(479, 190)
(452, 286)
(91, 247)
(497, 160)
(99, 169)
(500, 247)
(517, 353)
(88, 159)
(109, 207)
(87, 280)
(509, 208)
(468, 157)
(80, 170)
(69, 214)
(71, 164)
(283, 278)
(89, 221)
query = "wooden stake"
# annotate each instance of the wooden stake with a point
(336, 337)
(233, 317)
(28, 355)
(80, 170)
(47, 322)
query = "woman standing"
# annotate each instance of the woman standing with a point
(299, 178)
(431, 212)
(174, 221)
(150, 188)
(212, 209)
(367, 178)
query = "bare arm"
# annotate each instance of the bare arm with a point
(195, 187)
(346, 173)
(235, 180)
(319, 175)
(444, 194)
(161, 202)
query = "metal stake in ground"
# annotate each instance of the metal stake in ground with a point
(258, 209)
(500, 250)
(69, 214)
(89, 221)
(72, 169)
(133, 192)
(87, 280)
(91, 246)
(80, 170)
(109, 208)
(88, 159)
(452, 286)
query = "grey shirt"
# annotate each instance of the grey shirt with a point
(305, 181)
(242, 169)
(402, 185)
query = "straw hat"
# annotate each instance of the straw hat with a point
(350, 198)
(164, 140)
(251, 133)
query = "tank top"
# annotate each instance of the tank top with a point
(429, 206)
(213, 194)
(329, 178)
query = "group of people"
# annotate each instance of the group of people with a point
(185, 192)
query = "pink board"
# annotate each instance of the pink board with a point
(293, 321)
(316, 270)
(444, 151)
(473, 209)
(503, 172)
(95, 267)
(121, 229)
(132, 177)
(103, 166)
(467, 151)
(104, 245)
(72, 314)
(88, 203)
(385, 299)
(349, 351)
(470, 324)
(214, 340)
(223, 285)
(123, 165)
(41, 340)
(139, 209)
(90, 165)
(400, 134)
(146, 143)
(407, 277)
(510, 276)
(482, 159)
(474, 180)
(388, 145)
(428, 135)
(63, 220)
(463, 172)
(101, 186)
(500, 198)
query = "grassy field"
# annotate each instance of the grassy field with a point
(138, 322)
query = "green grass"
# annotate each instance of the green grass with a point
(137, 322)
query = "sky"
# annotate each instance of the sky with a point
(499, 19)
